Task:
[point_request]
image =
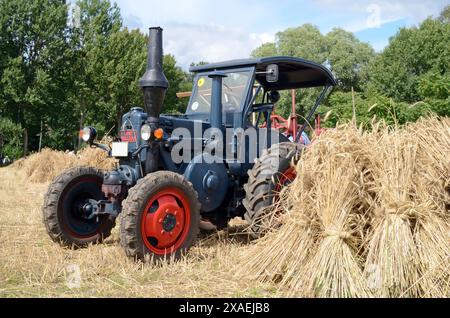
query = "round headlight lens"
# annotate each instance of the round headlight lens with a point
(86, 134)
(146, 132)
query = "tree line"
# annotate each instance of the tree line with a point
(61, 69)
(408, 79)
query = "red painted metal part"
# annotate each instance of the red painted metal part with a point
(319, 129)
(169, 205)
(290, 126)
(128, 136)
(286, 178)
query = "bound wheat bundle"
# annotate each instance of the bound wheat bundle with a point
(432, 228)
(335, 268)
(393, 257)
(323, 225)
(274, 253)
(366, 216)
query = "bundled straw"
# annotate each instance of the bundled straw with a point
(367, 216)
(335, 269)
(47, 164)
(392, 250)
(432, 230)
(277, 251)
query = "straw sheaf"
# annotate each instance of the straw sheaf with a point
(367, 216)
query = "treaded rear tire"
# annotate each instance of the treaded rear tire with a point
(133, 212)
(260, 188)
(55, 215)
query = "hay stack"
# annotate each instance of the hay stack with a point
(47, 164)
(94, 157)
(368, 216)
(392, 263)
(432, 190)
(335, 268)
(319, 243)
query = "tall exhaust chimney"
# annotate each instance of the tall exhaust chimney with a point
(154, 83)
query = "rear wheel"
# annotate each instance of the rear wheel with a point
(271, 172)
(160, 217)
(67, 217)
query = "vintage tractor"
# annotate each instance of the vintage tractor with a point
(176, 174)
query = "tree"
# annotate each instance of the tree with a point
(413, 53)
(305, 41)
(444, 17)
(34, 51)
(91, 35)
(10, 139)
(347, 56)
(265, 50)
(178, 81)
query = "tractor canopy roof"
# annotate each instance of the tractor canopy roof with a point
(293, 72)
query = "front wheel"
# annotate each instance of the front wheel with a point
(66, 215)
(160, 217)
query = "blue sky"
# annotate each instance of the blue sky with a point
(212, 30)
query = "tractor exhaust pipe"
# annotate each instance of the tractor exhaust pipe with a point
(154, 83)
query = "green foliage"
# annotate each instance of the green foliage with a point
(434, 89)
(66, 75)
(348, 56)
(345, 53)
(178, 81)
(341, 49)
(444, 17)
(412, 56)
(35, 54)
(407, 80)
(72, 74)
(10, 139)
(339, 109)
(266, 49)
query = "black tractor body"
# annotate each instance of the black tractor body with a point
(177, 173)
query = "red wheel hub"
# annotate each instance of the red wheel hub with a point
(286, 178)
(166, 221)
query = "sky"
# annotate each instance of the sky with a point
(213, 30)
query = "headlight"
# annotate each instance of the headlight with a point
(88, 134)
(146, 132)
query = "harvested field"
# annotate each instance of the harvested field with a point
(368, 217)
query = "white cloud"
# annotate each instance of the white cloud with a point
(203, 30)
(208, 30)
(210, 43)
(363, 11)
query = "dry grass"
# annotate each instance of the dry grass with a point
(368, 217)
(33, 266)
